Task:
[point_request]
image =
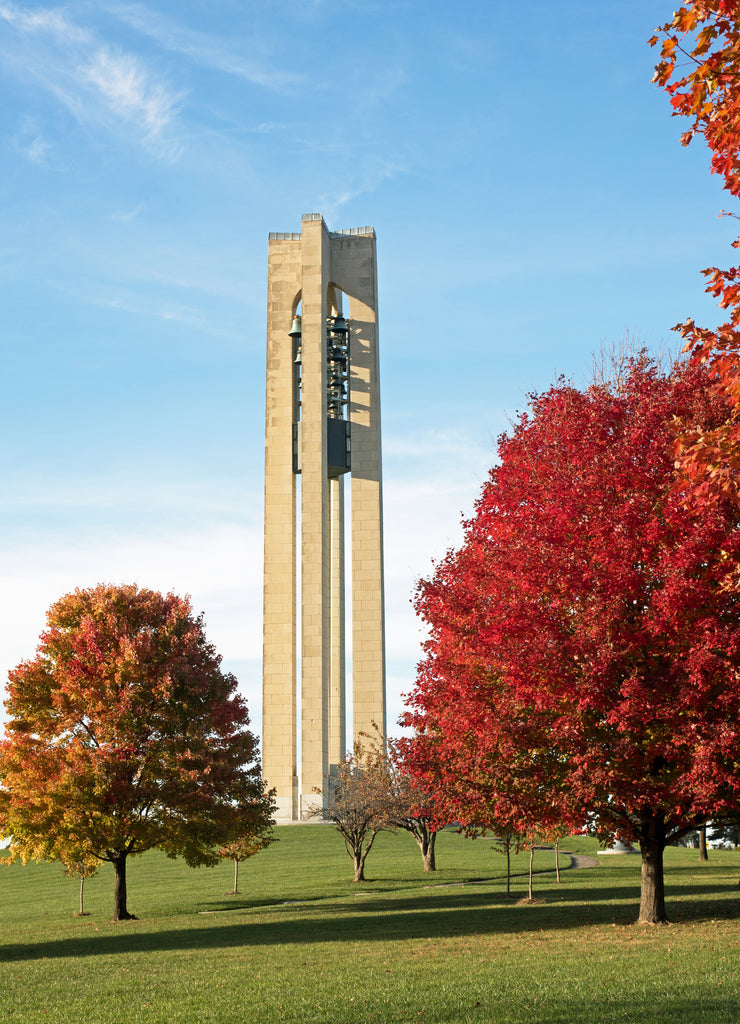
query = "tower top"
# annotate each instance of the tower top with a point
(293, 236)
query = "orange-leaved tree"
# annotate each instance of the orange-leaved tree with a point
(123, 735)
(699, 66)
(244, 847)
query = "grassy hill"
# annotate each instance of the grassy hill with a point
(303, 943)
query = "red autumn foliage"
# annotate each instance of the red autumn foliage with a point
(123, 735)
(583, 660)
(699, 67)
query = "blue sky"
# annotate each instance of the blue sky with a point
(531, 201)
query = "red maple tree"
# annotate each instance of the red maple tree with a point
(583, 660)
(699, 66)
(123, 735)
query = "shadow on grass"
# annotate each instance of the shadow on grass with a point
(612, 1010)
(379, 887)
(467, 911)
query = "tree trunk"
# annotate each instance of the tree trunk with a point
(82, 895)
(426, 845)
(236, 877)
(359, 856)
(430, 857)
(120, 910)
(652, 892)
(508, 868)
(703, 842)
(531, 861)
(557, 859)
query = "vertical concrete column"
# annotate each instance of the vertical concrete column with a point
(337, 670)
(279, 764)
(354, 270)
(315, 520)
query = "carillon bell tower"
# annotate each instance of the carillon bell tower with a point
(322, 432)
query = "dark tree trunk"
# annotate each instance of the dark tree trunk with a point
(426, 845)
(508, 868)
(652, 892)
(557, 859)
(82, 895)
(359, 862)
(359, 856)
(120, 910)
(703, 855)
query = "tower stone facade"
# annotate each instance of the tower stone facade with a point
(322, 431)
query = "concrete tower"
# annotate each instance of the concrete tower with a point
(322, 428)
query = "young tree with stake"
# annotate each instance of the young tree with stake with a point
(243, 848)
(81, 869)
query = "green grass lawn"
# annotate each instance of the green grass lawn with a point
(304, 943)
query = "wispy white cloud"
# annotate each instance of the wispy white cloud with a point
(382, 86)
(37, 151)
(188, 316)
(31, 144)
(371, 178)
(95, 82)
(272, 128)
(209, 287)
(52, 21)
(125, 216)
(130, 91)
(203, 49)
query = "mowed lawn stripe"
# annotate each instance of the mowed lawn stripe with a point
(304, 943)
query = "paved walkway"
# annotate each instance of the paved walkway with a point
(579, 860)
